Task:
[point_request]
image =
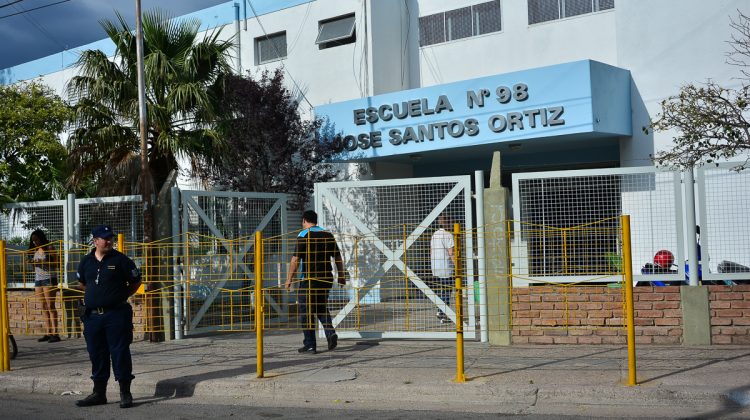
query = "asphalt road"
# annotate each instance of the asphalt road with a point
(47, 406)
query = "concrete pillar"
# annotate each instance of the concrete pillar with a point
(496, 264)
(696, 316)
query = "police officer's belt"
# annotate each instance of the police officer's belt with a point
(104, 309)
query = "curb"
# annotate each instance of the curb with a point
(480, 396)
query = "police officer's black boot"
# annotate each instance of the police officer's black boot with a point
(126, 398)
(98, 397)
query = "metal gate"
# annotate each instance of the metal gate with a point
(384, 229)
(218, 271)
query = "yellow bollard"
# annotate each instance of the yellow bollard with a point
(460, 378)
(259, 303)
(627, 263)
(4, 322)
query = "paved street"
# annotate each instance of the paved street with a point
(370, 376)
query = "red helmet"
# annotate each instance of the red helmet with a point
(664, 259)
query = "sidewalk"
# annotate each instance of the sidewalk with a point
(403, 374)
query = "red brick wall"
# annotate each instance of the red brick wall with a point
(25, 315)
(595, 315)
(730, 314)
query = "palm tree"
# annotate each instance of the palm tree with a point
(184, 79)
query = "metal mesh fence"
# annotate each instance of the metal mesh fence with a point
(124, 214)
(724, 197)
(17, 221)
(562, 200)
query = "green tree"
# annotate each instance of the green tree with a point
(269, 146)
(184, 80)
(712, 122)
(32, 157)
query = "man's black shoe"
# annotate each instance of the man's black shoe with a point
(333, 341)
(306, 349)
(95, 398)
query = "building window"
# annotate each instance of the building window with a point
(432, 29)
(458, 24)
(336, 31)
(270, 48)
(486, 17)
(465, 22)
(547, 10)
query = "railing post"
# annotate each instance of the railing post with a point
(259, 303)
(627, 264)
(4, 322)
(460, 378)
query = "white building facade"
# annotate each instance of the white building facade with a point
(336, 51)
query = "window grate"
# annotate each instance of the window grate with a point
(465, 22)
(271, 48)
(458, 24)
(578, 7)
(487, 18)
(547, 10)
(432, 29)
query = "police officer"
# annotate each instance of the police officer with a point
(108, 278)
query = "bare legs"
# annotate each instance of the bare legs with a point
(49, 312)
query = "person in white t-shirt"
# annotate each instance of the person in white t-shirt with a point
(442, 260)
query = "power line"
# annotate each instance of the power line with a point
(278, 54)
(29, 10)
(10, 4)
(40, 27)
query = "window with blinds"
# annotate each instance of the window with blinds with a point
(547, 10)
(270, 48)
(478, 19)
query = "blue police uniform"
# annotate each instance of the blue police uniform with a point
(108, 319)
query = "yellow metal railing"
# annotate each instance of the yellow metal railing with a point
(553, 285)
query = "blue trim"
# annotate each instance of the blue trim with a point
(594, 99)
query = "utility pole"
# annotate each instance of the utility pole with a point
(145, 181)
(145, 173)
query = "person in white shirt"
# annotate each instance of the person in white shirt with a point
(442, 260)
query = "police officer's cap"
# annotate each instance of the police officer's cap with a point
(102, 231)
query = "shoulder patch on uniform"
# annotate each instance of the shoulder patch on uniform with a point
(135, 272)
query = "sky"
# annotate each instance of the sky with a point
(39, 33)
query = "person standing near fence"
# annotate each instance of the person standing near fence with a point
(108, 278)
(312, 258)
(44, 259)
(442, 263)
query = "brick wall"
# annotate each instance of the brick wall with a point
(594, 315)
(730, 314)
(25, 315)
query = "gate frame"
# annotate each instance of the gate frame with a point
(187, 199)
(462, 183)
